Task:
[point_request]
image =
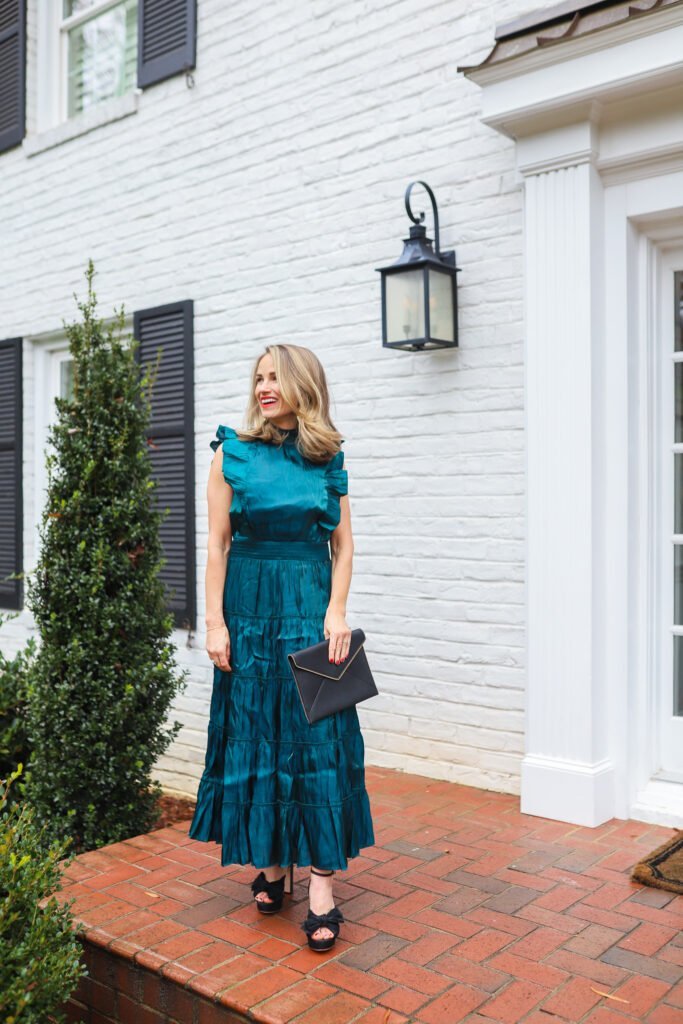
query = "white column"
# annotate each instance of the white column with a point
(567, 772)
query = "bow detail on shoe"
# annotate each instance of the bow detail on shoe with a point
(272, 889)
(332, 919)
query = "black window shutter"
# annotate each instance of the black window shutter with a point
(11, 503)
(167, 39)
(12, 73)
(171, 434)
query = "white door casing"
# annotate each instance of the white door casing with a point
(597, 126)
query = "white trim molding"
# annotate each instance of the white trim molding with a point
(583, 792)
(597, 123)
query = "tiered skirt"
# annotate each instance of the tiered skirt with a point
(276, 790)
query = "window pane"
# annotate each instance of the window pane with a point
(66, 379)
(76, 6)
(405, 306)
(678, 585)
(678, 322)
(678, 493)
(102, 57)
(678, 677)
(678, 398)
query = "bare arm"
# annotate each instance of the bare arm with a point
(219, 499)
(341, 544)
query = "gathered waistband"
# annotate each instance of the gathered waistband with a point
(249, 547)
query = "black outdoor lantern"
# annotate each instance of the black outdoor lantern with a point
(419, 290)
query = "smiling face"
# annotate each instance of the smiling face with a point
(271, 402)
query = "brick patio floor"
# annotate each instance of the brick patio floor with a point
(466, 910)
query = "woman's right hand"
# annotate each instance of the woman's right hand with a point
(218, 647)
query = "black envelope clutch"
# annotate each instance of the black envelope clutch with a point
(324, 686)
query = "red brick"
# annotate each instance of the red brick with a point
(561, 922)
(664, 1014)
(410, 905)
(446, 923)
(609, 896)
(295, 1000)
(641, 994)
(483, 945)
(573, 1000)
(211, 955)
(607, 918)
(537, 944)
(452, 1006)
(396, 866)
(229, 973)
(672, 953)
(231, 931)
(470, 973)
(503, 922)
(603, 1015)
(102, 997)
(529, 970)
(381, 1015)
(179, 945)
(153, 934)
(383, 886)
(675, 996)
(133, 1013)
(395, 925)
(514, 1002)
(361, 983)
(606, 974)
(247, 994)
(405, 1000)
(427, 948)
(593, 940)
(559, 898)
(418, 978)
(648, 938)
(339, 1009)
(273, 949)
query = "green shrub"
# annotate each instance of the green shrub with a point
(39, 951)
(104, 679)
(13, 697)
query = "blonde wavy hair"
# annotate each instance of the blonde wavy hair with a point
(303, 386)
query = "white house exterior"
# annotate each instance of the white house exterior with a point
(516, 560)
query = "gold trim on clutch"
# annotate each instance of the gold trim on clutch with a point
(305, 668)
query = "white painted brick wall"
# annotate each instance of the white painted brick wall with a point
(268, 193)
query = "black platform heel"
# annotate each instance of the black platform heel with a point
(331, 920)
(274, 890)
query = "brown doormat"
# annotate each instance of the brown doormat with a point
(663, 868)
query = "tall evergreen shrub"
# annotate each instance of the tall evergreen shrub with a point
(105, 675)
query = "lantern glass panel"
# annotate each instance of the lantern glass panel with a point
(441, 319)
(405, 305)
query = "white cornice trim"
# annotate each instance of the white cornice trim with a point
(572, 159)
(648, 163)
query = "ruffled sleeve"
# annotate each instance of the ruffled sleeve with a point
(337, 484)
(235, 458)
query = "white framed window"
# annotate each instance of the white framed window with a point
(98, 52)
(668, 403)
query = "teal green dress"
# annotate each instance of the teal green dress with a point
(276, 790)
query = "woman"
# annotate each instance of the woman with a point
(277, 791)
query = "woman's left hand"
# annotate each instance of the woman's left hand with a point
(339, 634)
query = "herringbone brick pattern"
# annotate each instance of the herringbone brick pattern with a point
(465, 910)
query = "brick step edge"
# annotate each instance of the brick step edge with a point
(117, 990)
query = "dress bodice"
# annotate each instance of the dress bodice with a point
(279, 494)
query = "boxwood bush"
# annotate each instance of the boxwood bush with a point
(40, 955)
(13, 700)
